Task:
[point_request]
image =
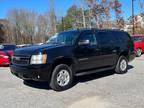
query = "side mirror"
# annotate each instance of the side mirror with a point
(84, 42)
(1, 47)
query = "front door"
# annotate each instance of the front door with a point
(87, 54)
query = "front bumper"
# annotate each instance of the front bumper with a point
(36, 73)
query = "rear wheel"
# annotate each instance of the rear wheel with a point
(138, 52)
(61, 78)
(122, 65)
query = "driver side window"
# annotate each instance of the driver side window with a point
(88, 36)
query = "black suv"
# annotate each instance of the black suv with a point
(74, 53)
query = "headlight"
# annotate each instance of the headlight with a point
(3, 56)
(38, 59)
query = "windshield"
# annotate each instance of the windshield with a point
(7, 47)
(66, 38)
(135, 39)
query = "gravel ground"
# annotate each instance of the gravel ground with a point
(102, 90)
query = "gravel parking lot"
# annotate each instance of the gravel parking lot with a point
(101, 90)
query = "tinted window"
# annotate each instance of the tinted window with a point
(7, 47)
(88, 36)
(123, 37)
(105, 38)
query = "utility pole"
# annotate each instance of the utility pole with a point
(90, 25)
(83, 14)
(63, 24)
(133, 17)
(52, 15)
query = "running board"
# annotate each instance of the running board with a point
(93, 71)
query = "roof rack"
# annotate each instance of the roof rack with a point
(112, 29)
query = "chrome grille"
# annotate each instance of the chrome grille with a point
(20, 60)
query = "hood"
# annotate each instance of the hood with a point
(9, 52)
(34, 49)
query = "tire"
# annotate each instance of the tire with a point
(122, 65)
(61, 78)
(138, 52)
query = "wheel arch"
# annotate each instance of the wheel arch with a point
(125, 54)
(63, 60)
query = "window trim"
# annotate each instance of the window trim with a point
(86, 32)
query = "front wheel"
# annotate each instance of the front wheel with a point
(122, 65)
(61, 78)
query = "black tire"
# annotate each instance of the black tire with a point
(54, 84)
(138, 52)
(119, 66)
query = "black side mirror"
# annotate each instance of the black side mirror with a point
(84, 42)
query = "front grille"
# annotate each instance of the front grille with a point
(18, 60)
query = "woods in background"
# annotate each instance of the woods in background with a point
(27, 26)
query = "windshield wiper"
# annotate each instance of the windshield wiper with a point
(56, 43)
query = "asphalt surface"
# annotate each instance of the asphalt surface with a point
(102, 90)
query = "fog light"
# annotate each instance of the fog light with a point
(38, 77)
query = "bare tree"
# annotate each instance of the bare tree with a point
(52, 16)
(141, 5)
(43, 26)
(99, 12)
(1, 34)
(14, 21)
(22, 24)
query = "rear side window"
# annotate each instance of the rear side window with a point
(105, 38)
(123, 37)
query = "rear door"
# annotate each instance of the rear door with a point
(106, 42)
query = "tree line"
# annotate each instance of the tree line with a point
(93, 14)
(27, 26)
